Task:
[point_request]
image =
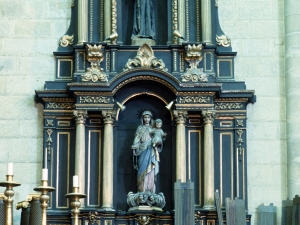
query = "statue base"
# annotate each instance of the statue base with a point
(141, 41)
(145, 208)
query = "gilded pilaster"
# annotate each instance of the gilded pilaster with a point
(206, 21)
(80, 117)
(208, 117)
(180, 118)
(107, 188)
(82, 21)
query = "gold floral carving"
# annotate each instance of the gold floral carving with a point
(240, 123)
(228, 105)
(175, 20)
(194, 99)
(63, 105)
(108, 116)
(66, 40)
(145, 58)
(208, 116)
(240, 141)
(95, 57)
(93, 99)
(223, 40)
(143, 220)
(49, 141)
(194, 57)
(114, 21)
(180, 116)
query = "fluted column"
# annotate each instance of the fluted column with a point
(206, 24)
(82, 21)
(180, 118)
(209, 186)
(80, 117)
(292, 68)
(108, 153)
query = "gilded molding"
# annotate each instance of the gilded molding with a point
(187, 21)
(95, 57)
(91, 19)
(240, 141)
(49, 141)
(60, 105)
(233, 105)
(180, 116)
(194, 99)
(197, 93)
(66, 40)
(114, 21)
(145, 58)
(80, 115)
(102, 19)
(109, 116)
(107, 61)
(175, 20)
(93, 93)
(94, 99)
(231, 100)
(209, 116)
(194, 57)
(181, 55)
(223, 40)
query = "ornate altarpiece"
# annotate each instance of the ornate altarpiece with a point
(190, 69)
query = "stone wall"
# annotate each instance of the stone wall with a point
(256, 29)
(29, 33)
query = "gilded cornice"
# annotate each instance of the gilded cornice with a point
(198, 93)
(231, 100)
(99, 94)
(61, 100)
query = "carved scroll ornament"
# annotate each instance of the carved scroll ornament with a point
(145, 58)
(194, 57)
(223, 40)
(95, 57)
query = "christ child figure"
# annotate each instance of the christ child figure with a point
(158, 134)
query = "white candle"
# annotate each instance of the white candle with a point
(75, 181)
(44, 174)
(10, 170)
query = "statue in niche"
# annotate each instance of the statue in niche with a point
(143, 22)
(146, 146)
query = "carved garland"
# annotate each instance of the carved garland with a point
(94, 99)
(194, 99)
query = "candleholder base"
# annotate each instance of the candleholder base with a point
(75, 204)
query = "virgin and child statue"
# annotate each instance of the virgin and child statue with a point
(147, 145)
(144, 20)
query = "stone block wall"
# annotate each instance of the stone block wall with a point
(29, 34)
(256, 29)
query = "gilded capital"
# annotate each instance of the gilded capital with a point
(208, 116)
(80, 116)
(109, 116)
(180, 116)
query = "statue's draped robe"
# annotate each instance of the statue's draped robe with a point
(144, 20)
(148, 166)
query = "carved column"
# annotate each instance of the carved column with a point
(180, 118)
(181, 18)
(107, 18)
(80, 117)
(206, 23)
(208, 116)
(108, 165)
(82, 21)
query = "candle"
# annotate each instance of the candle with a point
(10, 170)
(75, 181)
(44, 174)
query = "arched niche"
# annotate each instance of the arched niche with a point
(162, 13)
(137, 97)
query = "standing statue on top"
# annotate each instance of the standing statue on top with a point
(146, 147)
(143, 21)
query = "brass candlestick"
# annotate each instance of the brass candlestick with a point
(75, 203)
(44, 199)
(9, 193)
